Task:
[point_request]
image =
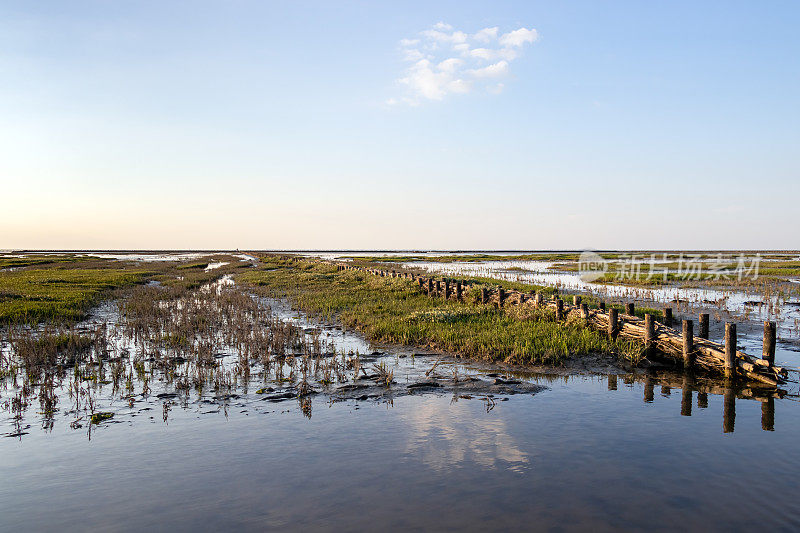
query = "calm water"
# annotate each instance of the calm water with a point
(575, 456)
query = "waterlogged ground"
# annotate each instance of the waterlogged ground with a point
(746, 306)
(399, 440)
(574, 456)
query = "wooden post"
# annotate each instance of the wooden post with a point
(703, 333)
(649, 333)
(729, 411)
(768, 414)
(430, 287)
(521, 298)
(501, 294)
(730, 350)
(668, 316)
(612, 382)
(702, 400)
(576, 300)
(629, 309)
(446, 290)
(688, 344)
(612, 323)
(559, 309)
(458, 290)
(686, 396)
(537, 298)
(584, 311)
(602, 306)
(483, 295)
(768, 351)
(649, 389)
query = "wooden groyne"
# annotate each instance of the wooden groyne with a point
(658, 338)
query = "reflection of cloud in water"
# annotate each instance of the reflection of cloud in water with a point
(444, 437)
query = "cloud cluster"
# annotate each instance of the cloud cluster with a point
(443, 61)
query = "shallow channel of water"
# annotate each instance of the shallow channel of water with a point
(576, 456)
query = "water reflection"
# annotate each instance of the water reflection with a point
(444, 440)
(768, 414)
(689, 384)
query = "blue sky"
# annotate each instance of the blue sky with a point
(309, 125)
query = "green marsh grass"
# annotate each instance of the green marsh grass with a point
(50, 294)
(394, 310)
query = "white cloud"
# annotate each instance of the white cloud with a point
(435, 81)
(454, 37)
(493, 54)
(443, 61)
(492, 71)
(486, 34)
(450, 65)
(412, 55)
(519, 37)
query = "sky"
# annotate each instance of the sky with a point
(399, 125)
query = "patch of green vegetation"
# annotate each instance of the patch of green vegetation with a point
(101, 417)
(395, 310)
(34, 295)
(194, 266)
(19, 262)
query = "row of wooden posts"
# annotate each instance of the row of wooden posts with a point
(693, 351)
(688, 386)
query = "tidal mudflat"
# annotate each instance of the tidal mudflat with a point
(217, 398)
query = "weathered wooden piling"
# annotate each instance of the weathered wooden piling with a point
(483, 295)
(537, 298)
(649, 333)
(612, 382)
(688, 344)
(768, 414)
(576, 300)
(768, 350)
(649, 389)
(730, 350)
(668, 316)
(584, 311)
(501, 295)
(702, 400)
(602, 306)
(446, 290)
(729, 411)
(703, 325)
(613, 327)
(458, 290)
(686, 396)
(430, 287)
(629, 309)
(559, 309)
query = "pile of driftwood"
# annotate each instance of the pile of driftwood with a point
(658, 338)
